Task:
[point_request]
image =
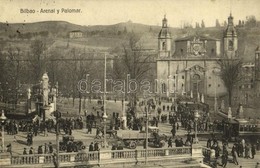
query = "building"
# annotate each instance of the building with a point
(257, 71)
(76, 34)
(245, 91)
(193, 66)
(248, 90)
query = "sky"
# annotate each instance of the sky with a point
(151, 12)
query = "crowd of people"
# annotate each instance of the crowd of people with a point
(181, 116)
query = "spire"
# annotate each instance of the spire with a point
(164, 22)
(230, 19)
(230, 31)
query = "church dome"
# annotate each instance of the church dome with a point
(231, 31)
(164, 33)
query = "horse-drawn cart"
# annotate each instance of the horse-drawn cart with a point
(132, 138)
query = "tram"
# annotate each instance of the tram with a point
(242, 128)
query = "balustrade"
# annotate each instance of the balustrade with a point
(32, 159)
(95, 156)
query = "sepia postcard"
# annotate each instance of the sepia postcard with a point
(130, 83)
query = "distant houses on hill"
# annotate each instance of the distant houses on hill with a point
(75, 34)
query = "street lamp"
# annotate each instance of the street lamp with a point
(196, 118)
(2, 119)
(105, 128)
(104, 105)
(216, 71)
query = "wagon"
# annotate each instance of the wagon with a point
(68, 141)
(132, 138)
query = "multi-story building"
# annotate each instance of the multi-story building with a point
(193, 66)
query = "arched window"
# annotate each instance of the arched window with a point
(230, 45)
(164, 45)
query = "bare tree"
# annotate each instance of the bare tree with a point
(230, 74)
(13, 70)
(37, 59)
(132, 61)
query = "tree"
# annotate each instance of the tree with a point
(202, 24)
(240, 23)
(225, 24)
(13, 71)
(217, 23)
(37, 59)
(250, 21)
(197, 25)
(230, 74)
(132, 60)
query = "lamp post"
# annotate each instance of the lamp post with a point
(105, 114)
(196, 117)
(146, 134)
(216, 72)
(2, 119)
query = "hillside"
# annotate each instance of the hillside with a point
(107, 37)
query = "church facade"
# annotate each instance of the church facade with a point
(193, 68)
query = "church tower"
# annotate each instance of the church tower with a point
(164, 40)
(230, 39)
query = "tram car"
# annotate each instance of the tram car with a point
(242, 128)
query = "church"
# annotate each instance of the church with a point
(192, 68)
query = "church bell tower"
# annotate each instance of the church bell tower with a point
(230, 39)
(164, 40)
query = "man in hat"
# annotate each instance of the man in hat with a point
(91, 147)
(50, 147)
(96, 146)
(46, 148)
(24, 151)
(40, 149)
(31, 151)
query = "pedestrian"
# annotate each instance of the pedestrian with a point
(257, 165)
(46, 148)
(247, 151)
(234, 154)
(120, 154)
(31, 151)
(170, 142)
(97, 133)
(91, 147)
(9, 148)
(96, 146)
(253, 151)
(144, 144)
(50, 147)
(209, 143)
(173, 131)
(217, 150)
(40, 149)
(224, 160)
(24, 151)
(89, 127)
